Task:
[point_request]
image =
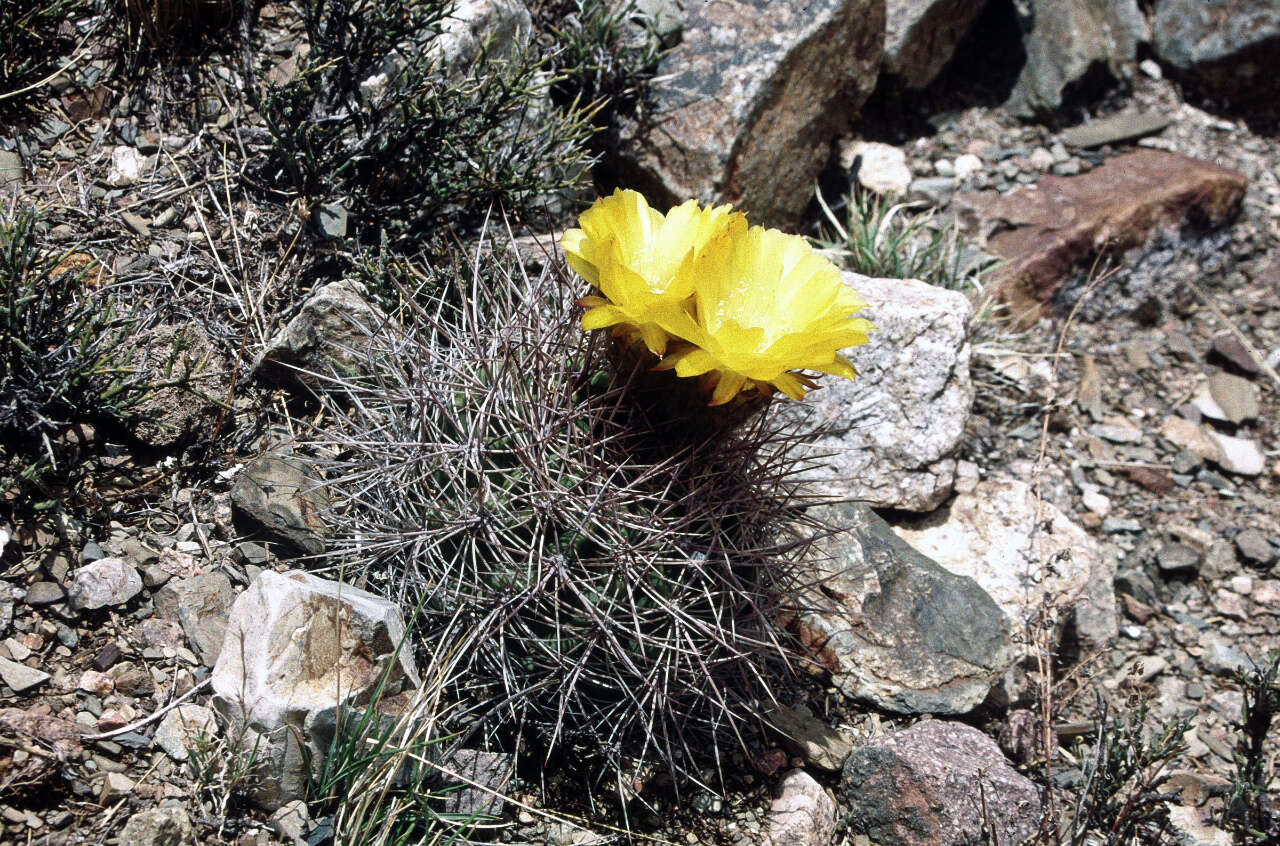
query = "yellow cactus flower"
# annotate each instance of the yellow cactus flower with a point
(639, 260)
(766, 306)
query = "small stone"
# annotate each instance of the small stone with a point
(330, 220)
(18, 650)
(1124, 126)
(880, 168)
(802, 814)
(1236, 397)
(934, 190)
(1151, 68)
(20, 677)
(944, 167)
(1178, 558)
(1041, 159)
(1240, 456)
(179, 728)
(11, 171)
(291, 822)
(91, 553)
(115, 787)
(1117, 430)
(136, 224)
(1220, 657)
(99, 684)
(1120, 525)
(45, 593)
(1242, 584)
(126, 167)
(1189, 827)
(1096, 502)
(1229, 604)
(967, 165)
(111, 720)
(1194, 691)
(1228, 347)
(158, 827)
(1252, 544)
(106, 582)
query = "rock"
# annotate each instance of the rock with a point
(181, 727)
(45, 593)
(1228, 347)
(880, 168)
(1045, 233)
(297, 647)
(934, 190)
(1117, 430)
(1067, 43)
(890, 438)
(967, 165)
(330, 221)
(1124, 126)
(809, 738)
(1238, 398)
(11, 170)
(1189, 827)
(201, 606)
(60, 737)
(1184, 434)
(280, 498)
(97, 683)
(801, 815)
(19, 677)
(199, 381)
(929, 785)
(922, 35)
(892, 627)
(1220, 657)
(291, 822)
(1239, 455)
(994, 536)
(1255, 548)
(105, 583)
(472, 777)
(1222, 49)
(330, 334)
(158, 827)
(126, 167)
(664, 18)
(115, 787)
(475, 29)
(1178, 558)
(745, 108)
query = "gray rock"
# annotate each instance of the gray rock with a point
(45, 593)
(892, 627)
(1066, 40)
(158, 827)
(1238, 398)
(472, 777)
(292, 822)
(20, 677)
(181, 727)
(11, 170)
(330, 221)
(106, 582)
(475, 29)
(196, 379)
(745, 108)
(1223, 49)
(200, 605)
(1220, 657)
(1253, 545)
(280, 498)
(937, 784)
(922, 35)
(297, 647)
(889, 439)
(1178, 558)
(664, 18)
(995, 535)
(934, 190)
(1125, 126)
(801, 815)
(330, 334)
(808, 737)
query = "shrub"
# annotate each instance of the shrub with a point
(621, 583)
(374, 120)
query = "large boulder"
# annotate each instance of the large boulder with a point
(746, 107)
(889, 438)
(1027, 555)
(893, 628)
(1071, 42)
(937, 784)
(297, 648)
(922, 35)
(1223, 49)
(1047, 233)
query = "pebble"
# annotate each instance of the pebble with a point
(45, 593)
(1096, 502)
(99, 684)
(1240, 456)
(115, 786)
(106, 582)
(1178, 558)
(1117, 525)
(91, 553)
(967, 165)
(19, 677)
(944, 167)
(1228, 347)
(1236, 397)
(1253, 546)
(1220, 657)
(1117, 430)
(1242, 584)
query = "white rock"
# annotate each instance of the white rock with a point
(182, 727)
(1188, 828)
(1239, 455)
(1096, 502)
(20, 677)
(489, 28)
(106, 582)
(1242, 584)
(802, 814)
(1040, 159)
(883, 168)
(126, 168)
(993, 535)
(890, 437)
(967, 165)
(296, 648)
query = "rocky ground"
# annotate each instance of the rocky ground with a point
(1104, 466)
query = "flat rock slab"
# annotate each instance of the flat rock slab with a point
(893, 628)
(927, 786)
(1125, 126)
(744, 109)
(19, 677)
(889, 438)
(1046, 232)
(280, 497)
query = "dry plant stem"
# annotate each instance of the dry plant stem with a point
(155, 715)
(1044, 660)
